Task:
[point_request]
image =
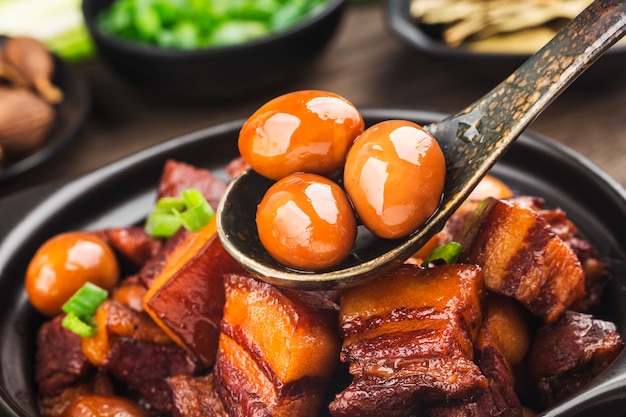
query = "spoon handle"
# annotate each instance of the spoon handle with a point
(475, 138)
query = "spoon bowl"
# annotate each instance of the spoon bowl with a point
(472, 141)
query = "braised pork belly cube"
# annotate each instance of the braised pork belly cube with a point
(277, 351)
(523, 258)
(195, 397)
(499, 400)
(133, 349)
(502, 343)
(62, 371)
(178, 176)
(597, 272)
(566, 355)
(407, 336)
(186, 297)
(131, 243)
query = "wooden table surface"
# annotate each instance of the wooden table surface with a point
(364, 63)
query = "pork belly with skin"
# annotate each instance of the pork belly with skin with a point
(523, 258)
(597, 272)
(502, 343)
(499, 400)
(568, 354)
(407, 336)
(277, 351)
(186, 296)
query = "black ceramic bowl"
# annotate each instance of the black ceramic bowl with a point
(216, 72)
(491, 66)
(123, 193)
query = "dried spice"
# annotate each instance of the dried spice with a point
(475, 21)
(34, 61)
(27, 95)
(25, 120)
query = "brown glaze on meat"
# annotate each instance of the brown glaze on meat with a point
(131, 347)
(567, 354)
(62, 371)
(98, 405)
(154, 265)
(418, 342)
(597, 272)
(60, 362)
(408, 339)
(186, 297)
(132, 243)
(278, 349)
(523, 258)
(499, 400)
(195, 397)
(178, 176)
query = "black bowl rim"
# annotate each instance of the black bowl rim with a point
(46, 206)
(400, 23)
(333, 6)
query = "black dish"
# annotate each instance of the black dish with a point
(488, 66)
(216, 73)
(71, 115)
(122, 193)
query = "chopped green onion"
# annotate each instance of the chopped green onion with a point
(448, 253)
(86, 300)
(190, 210)
(81, 307)
(186, 24)
(162, 224)
(76, 325)
(199, 211)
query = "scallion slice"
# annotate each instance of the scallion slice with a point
(79, 326)
(190, 210)
(199, 212)
(448, 253)
(81, 307)
(162, 225)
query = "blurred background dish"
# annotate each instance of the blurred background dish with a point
(67, 112)
(491, 37)
(58, 24)
(184, 68)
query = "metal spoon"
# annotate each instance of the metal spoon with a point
(472, 141)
